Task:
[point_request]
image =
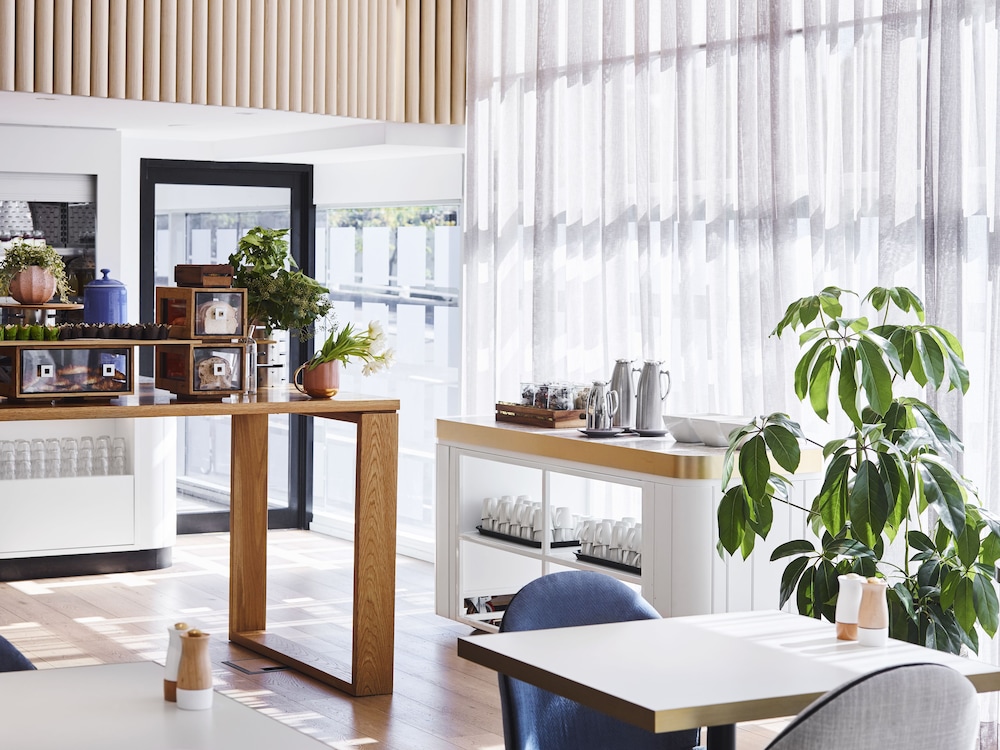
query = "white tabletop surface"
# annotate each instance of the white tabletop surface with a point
(684, 672)
(121, 707)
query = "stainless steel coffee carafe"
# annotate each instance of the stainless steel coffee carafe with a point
(602, 403)
(621, 383)
(652, 389)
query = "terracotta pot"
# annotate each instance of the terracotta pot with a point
(322, 381)
(33, 286)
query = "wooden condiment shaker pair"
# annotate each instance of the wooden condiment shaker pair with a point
(188, 674)
(862, 610)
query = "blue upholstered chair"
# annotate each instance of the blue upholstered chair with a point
(12, 660)
(914, 706)
(535, 719)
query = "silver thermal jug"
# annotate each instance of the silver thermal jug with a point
(652, 389)
(602, 403)
(621, 383)
(105, 300)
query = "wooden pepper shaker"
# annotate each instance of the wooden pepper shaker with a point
(873, 614)
(194, 675)
(173, 660)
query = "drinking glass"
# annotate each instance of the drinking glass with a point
(118, 446)
(67, 465)
(22, 459)
(105, 442)
(7, 465)
(87, 442)
(85, 461)
(116, 466)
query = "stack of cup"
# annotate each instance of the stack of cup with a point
(614, 541)
(7, 462)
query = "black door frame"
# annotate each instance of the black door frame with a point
(298, 178)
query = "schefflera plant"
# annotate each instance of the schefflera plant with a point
(891, 481)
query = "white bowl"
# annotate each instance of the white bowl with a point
(680, 428)
(714, 429)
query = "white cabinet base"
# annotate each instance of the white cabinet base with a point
(672, 488)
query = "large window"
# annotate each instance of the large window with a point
(398, 265)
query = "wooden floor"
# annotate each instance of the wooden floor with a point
(440, 701)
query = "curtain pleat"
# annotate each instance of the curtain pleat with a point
(44, 32)
(185, 51)
(134, 44)
(8, 37)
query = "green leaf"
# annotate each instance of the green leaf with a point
(804, 366)
(943, 493)
(989, 551)
(888, 350)
(829, 300)
(877, 297)
(755, 467)
(905, 599)
(868, 504)
(732, 519)
(931, 357)
(923, 415)
(784, 447)
(832, 499)
(875, 377)
(762, 517)
(949, 588)
(790, 577)
(794, 547)
(965, 608)
(985, 602)
(957, 372)
(849, 548)
(746, 546)
(847, 386)
(967, 544)
(919, 540)
(819, 381)
(804, 594)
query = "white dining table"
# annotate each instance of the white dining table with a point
(121, 707)
(701, 671)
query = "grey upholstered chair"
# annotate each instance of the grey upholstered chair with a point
(910, 707)
(12, 660)
(535, 719)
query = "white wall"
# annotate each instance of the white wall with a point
(381, 182)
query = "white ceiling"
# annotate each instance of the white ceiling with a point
(286, 134)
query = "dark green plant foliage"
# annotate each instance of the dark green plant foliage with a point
(895, 464)
(278, 296)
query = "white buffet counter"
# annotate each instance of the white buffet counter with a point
(672, 488)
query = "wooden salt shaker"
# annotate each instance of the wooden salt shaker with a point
(848, 605)
(194, 676)
(173, 660)
(873, 614)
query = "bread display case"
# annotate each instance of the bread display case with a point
(200, 370)
(192, 313)
(89, 369)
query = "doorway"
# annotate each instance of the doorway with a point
(195, 212)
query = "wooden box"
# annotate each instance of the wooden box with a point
(66, 370)
(200, 369)
(194, 313)
(216, 276)
(530, 415)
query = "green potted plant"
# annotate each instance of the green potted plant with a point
(278, 296)
(892, 503)
(321, 374)
(31, 273)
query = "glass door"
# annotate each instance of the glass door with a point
(195, 214)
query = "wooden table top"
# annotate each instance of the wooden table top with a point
(153, 402)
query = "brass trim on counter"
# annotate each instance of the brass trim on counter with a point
(662, 457)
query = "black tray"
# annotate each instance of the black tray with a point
(525, 542)
(608, 563)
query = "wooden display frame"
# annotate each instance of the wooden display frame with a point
(13, 387)
(535, 417)
(178, 307)
(177, 368)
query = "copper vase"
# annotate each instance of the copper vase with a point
(321, 381)
(33, 286)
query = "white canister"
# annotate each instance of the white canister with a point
(848, 604)
(173, 660)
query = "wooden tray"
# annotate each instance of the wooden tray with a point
(530, 415)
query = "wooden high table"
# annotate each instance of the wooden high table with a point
(374, 517)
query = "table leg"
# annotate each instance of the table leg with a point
(721, 737)
(375, 553)
(248, 524)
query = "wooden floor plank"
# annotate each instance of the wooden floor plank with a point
(440, 702)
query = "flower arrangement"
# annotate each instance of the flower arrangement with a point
(21, 255)
(277, 295)
(368, 345)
